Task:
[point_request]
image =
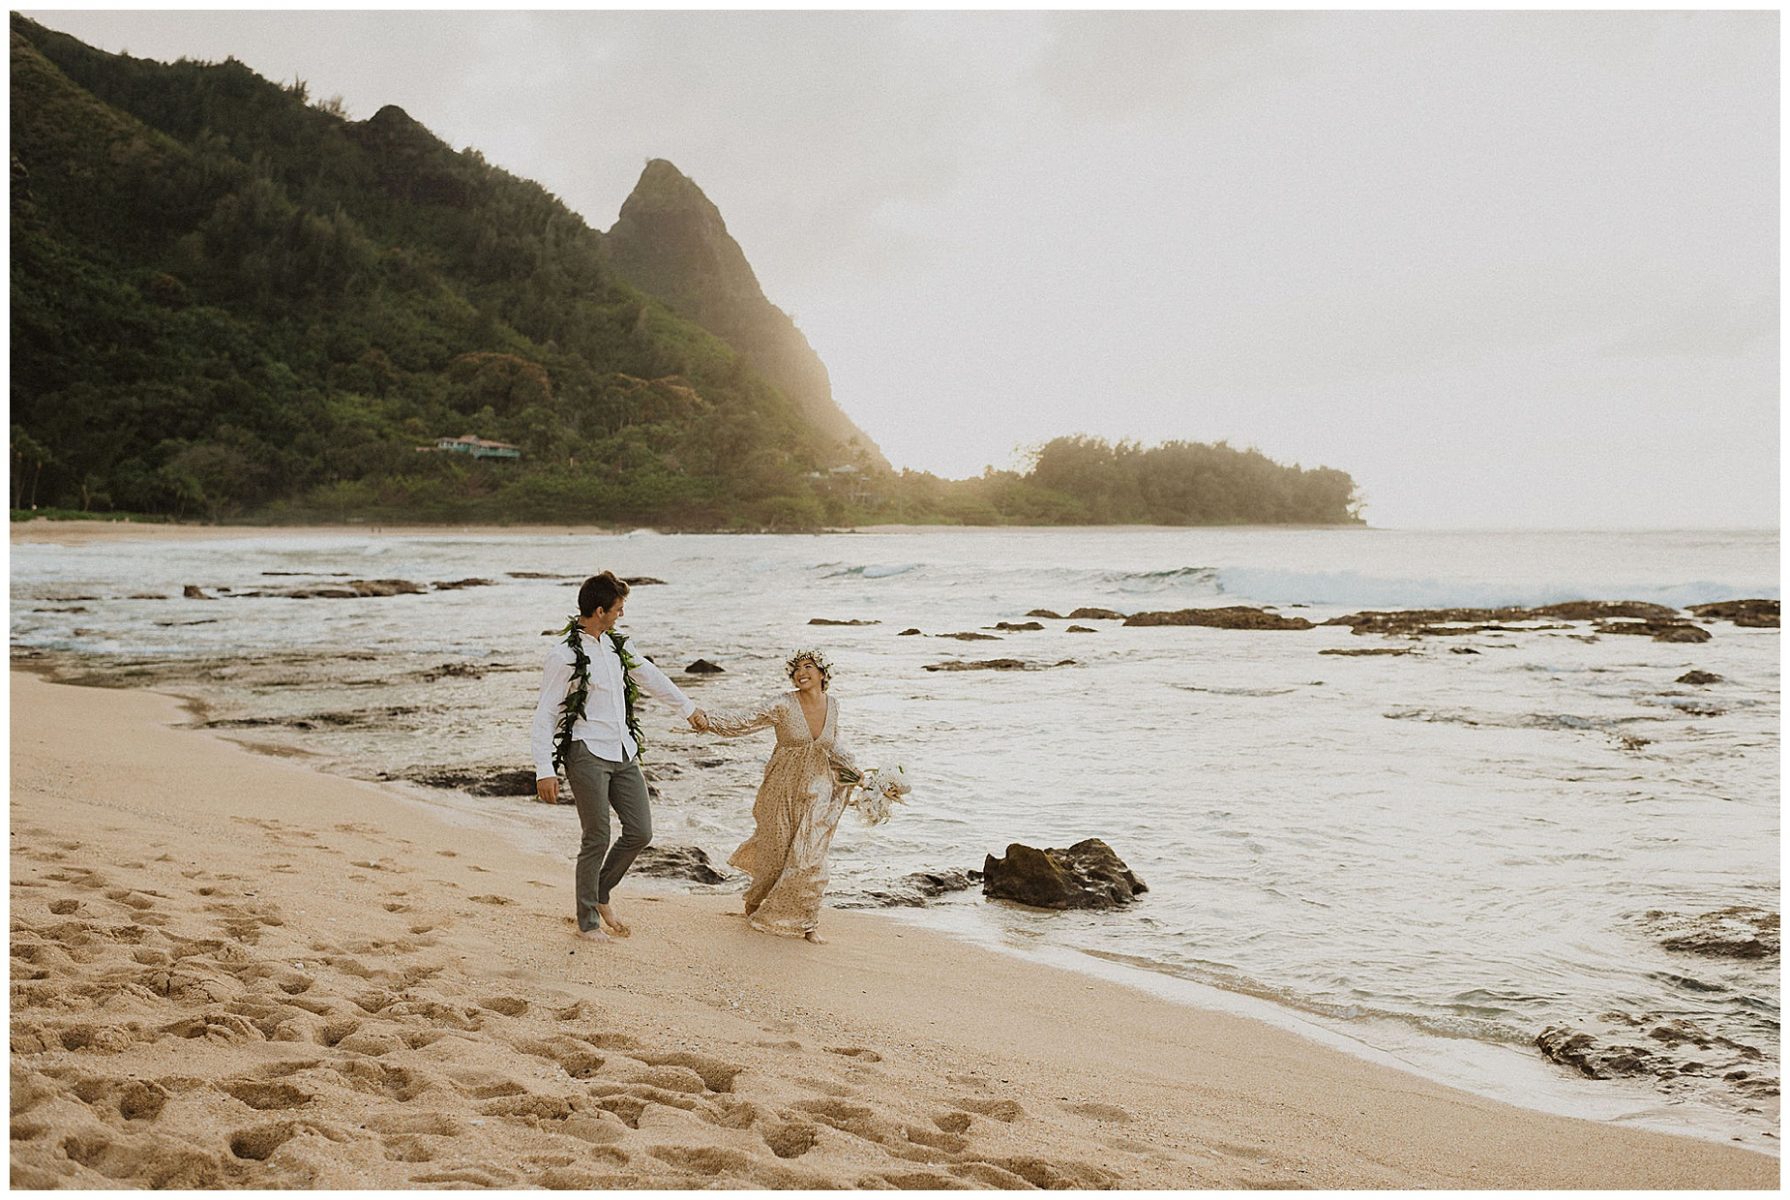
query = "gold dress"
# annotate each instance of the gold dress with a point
(797, 809)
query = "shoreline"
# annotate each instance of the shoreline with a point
(932, 1082)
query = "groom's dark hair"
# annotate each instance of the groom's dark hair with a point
(600, 591)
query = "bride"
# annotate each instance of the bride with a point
(806, 786)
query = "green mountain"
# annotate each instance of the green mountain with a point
(230, 302)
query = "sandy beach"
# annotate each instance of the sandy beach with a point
(231, 970)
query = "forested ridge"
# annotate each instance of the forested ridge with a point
(232, 302)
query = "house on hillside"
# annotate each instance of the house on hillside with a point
(477, 447)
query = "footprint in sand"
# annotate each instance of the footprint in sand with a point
(131, 1099)
(264, 1096)
(574, 1057)
(857, 1052)
(1000, 1110)
(260, 1141)
(791, 1138)
(953, 1122)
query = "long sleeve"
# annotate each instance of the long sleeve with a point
(556, 676)
(842, 759)
(746, 720)
(656, 683)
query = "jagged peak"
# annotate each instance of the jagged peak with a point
(663, 187)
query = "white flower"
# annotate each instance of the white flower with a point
(881, 787)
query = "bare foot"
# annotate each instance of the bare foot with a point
(814, 937)
(609, 918)
(594, 935)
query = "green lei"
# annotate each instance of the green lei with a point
(572, 707)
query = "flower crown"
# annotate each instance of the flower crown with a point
(817, 658)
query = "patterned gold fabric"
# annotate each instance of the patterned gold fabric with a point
(797, 810)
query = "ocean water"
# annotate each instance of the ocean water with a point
(1428, 858)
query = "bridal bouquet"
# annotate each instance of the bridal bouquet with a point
(879, 788)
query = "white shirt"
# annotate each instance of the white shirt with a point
(603, 726)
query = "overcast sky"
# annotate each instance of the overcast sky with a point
(1506, 269)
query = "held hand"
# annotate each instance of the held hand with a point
(547, 790)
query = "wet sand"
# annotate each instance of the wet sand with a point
(230, 970)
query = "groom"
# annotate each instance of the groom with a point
(602, 753)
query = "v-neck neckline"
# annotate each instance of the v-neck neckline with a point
(826, 716)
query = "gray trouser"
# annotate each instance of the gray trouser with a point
(598, 784)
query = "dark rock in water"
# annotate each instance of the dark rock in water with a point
(986, 664)
(147, 596)
(1601, 610)
(1078, 629)
(677, 862)
(1659, 631)
(475, 781)
(913, 891)
(448, 585)
(312, 574)
(356, 718)
(1462, 650)
(1590, 1057)
(1086, 875)
(645, 581)
(194, 592)
(1752, 614)
(1434, 621)
(969, 636)
(1096, 614)
(703, 666)
(1631, 742)
(1738, 931)
(828, 621)
(1010, 627)
(1666, 1047)
(454, 670)
(540, 575)
(1370, 651)
(385, 587)
(908, 633)
(997, 664)
(327, 592)
(1045, 613)
(1231, 617)
(354, 589)
(1698, 678)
